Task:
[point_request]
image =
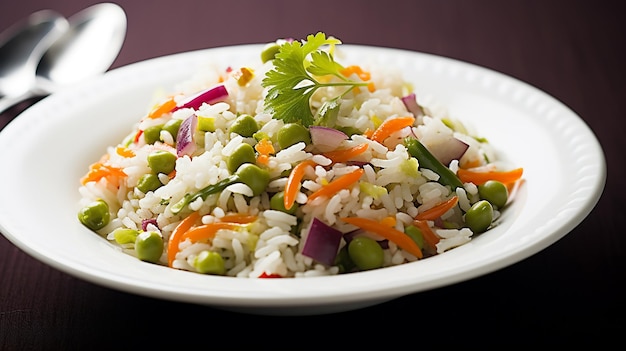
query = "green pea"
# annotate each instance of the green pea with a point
(478, 218)
(494, 192)
(292, 133)
(209, 262)
(125, 235)
(254, 177)
(343, 261)
(243, 153)
(269, 51)
(162, 161)
(277, 202)
(95, 215)
(148, 182)
(152, 134)
(416, 234)
(149, 246)
(172, 127)
(366, 253)
(244, 125)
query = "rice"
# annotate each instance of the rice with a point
(254, 238)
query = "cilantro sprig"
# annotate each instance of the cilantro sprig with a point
(294, 79)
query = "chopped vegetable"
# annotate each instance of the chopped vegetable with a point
(435, 212)
(210, 96)
(185, 143)
(293, 182)
(248, 173)
(399, 238)
(429, 235)
(322, 242)
(479, 176)
(292, 81)
(340, 183)
(410, 102)
(345, 155)
(390, 126)
(162, 108)
(206, 231)
(325, 138)
(177, 233)
(428, 161)
(448, 150)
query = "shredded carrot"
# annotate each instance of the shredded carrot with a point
(354, 69)
(238, 218)
(389, 221)
(172, 174)
(371, 87)
(265, 148)
(429, 235)
(340, 183)
(391, 125)
(206, 231)
(345, 155)
(101, 170)
(480, 177)
(293, 182)
(399, 238)
(162, 108)
(124, 152)
(438, 210)
(368, 133)
(177, 233)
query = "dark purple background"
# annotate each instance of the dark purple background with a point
(568, 294)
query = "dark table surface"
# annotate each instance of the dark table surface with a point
(570, 293)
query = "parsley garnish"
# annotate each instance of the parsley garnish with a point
(293, 80)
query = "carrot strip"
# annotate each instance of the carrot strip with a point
(177, 233)
(342, 182)
(293, 182)
(100, 170)
(399, 238)
(391, 125)
(206, 231)
(480, 177)
(162, 108)
(435, 212)
(342, 156)
(124, 152)
(429, 235)
(238, 218)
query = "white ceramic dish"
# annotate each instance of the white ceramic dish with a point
(49, 147)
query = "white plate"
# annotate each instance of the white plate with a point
(49, 147)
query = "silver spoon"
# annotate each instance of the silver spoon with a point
(88, 48)
(21, 48)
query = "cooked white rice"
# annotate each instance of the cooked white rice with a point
(273, 243)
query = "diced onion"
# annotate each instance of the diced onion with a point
(322, 242)
(185, 143)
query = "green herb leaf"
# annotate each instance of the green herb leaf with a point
(292, 81)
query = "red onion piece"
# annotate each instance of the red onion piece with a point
(410, 102)
(146, 222)
(325, 138)
(322, 242)
(209, 96)
(185, 143)
(451, 149)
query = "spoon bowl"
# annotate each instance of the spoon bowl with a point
(21, 47)
(87, 48)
